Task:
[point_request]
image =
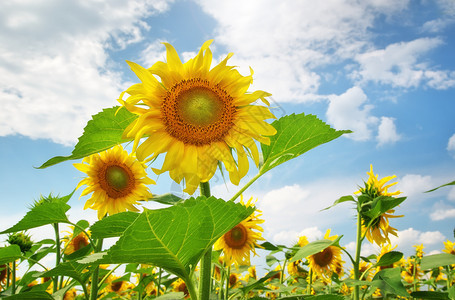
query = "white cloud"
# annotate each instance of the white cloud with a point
(387, 132)
(451, 145)
(398, 65)
(301, 36)
(451, 195)
(442, 214)
(291, 237)
(54, 68)
(410, 237)
(350, 111)
(413, 186)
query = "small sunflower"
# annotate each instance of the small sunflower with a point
(198, 116)
(449, 247)
(379, 229)
(240, 241)
(116, 285)
(74, 243)
(411, 271)
(386, 248)
(419, 250)
(180, 286)
(116, 179)
(325, 262)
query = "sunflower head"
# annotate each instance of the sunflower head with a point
(198, 116)
(375, 187)
(180, 286)
(22, 240)
(74, 243)
(241, 240)
(327, 261)
(116, 179)
(449, 247)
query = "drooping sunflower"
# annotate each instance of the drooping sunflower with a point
(325, 262)
(198, 116)
(379, 229)
(117, 179)
(240, 241)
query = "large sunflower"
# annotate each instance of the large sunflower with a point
(116, 179)
(240, 241)
(327, 261)
(379, 229)
(197, 115)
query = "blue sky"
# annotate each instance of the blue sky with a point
(381, 68)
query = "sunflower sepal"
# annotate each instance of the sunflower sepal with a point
(379, 205)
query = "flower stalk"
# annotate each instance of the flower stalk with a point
(205, 279)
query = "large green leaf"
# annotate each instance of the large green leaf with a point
(390, 280)
(437, 260)
(296, 134)
(430, 295)
(102, 132)
(113, 226)
(314, 247)
(174, 238)
(42, 214)
(9, 254)
(39, 295)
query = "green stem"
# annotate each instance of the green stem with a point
(282, 274)
(310, 283)
(357, 254)
(57, 254)
(228, 277)
(95, 275)
(206, 261)
(159, 282)
(191, 289)
(13, 279)
(246, 186)
(107, 275)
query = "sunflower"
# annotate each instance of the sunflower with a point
(116, 285)
(180, 286)
(449, 247)
(411, 271)
(3, 273)
(378, 230)
(238, 242)
(116, 179)
(386, 248)
(198, 116)
(74, 243)
(325, 262)
(419, 250)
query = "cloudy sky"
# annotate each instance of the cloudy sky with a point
(381, 68)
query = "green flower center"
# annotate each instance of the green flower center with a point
(200, 106)
(117, 177)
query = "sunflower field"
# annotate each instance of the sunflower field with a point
(203, 120)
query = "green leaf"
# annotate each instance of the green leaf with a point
(390, 280)
(30, 295)
(437, 260)
(430, 295)
(175, 238)
(101, 133)
(389, 258)
(326, 297)
(381, 205)
(450, 183)
(113, 226)
(168, 199)
(9, 254)
(258, 283)
(296, 134)
(71, 269)
(42, 214)
(340, 200)
(314, 247)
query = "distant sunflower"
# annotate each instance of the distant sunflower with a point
(74, 243)
(116, 179)
(386, 248)
(449, 247)
(180, 286)
(240, 241)
(197, 115)
(379, 229)
(3, 273)
(325, 262)
(116, 285)
(411, 271)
